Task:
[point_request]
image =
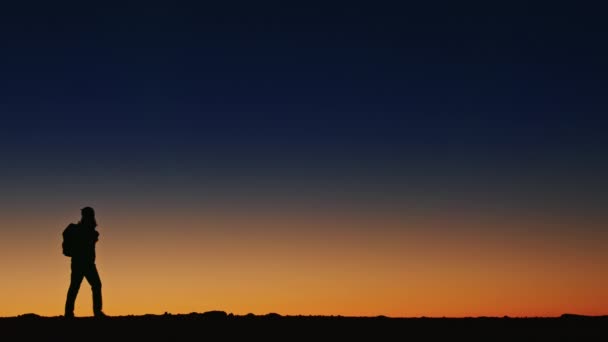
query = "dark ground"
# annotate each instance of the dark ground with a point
(217, 325)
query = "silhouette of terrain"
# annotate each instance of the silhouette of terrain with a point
(219, 325)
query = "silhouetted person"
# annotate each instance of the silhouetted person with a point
(83, 237)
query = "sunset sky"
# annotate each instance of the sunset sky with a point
(336, 159)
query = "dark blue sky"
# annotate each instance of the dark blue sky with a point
(384, 95)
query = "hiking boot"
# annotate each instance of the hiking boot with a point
(100, 314)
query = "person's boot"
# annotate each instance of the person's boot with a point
(100, 314)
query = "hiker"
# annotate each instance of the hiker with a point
(79, 241)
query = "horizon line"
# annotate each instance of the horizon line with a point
(221, 313)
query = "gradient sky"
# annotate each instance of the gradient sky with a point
(341, 159)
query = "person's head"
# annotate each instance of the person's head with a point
(88, 216)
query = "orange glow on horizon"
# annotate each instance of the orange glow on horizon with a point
(350, 265)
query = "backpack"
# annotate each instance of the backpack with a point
(68, 243)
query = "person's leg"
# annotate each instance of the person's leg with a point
(93, 278)
(75, 281)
